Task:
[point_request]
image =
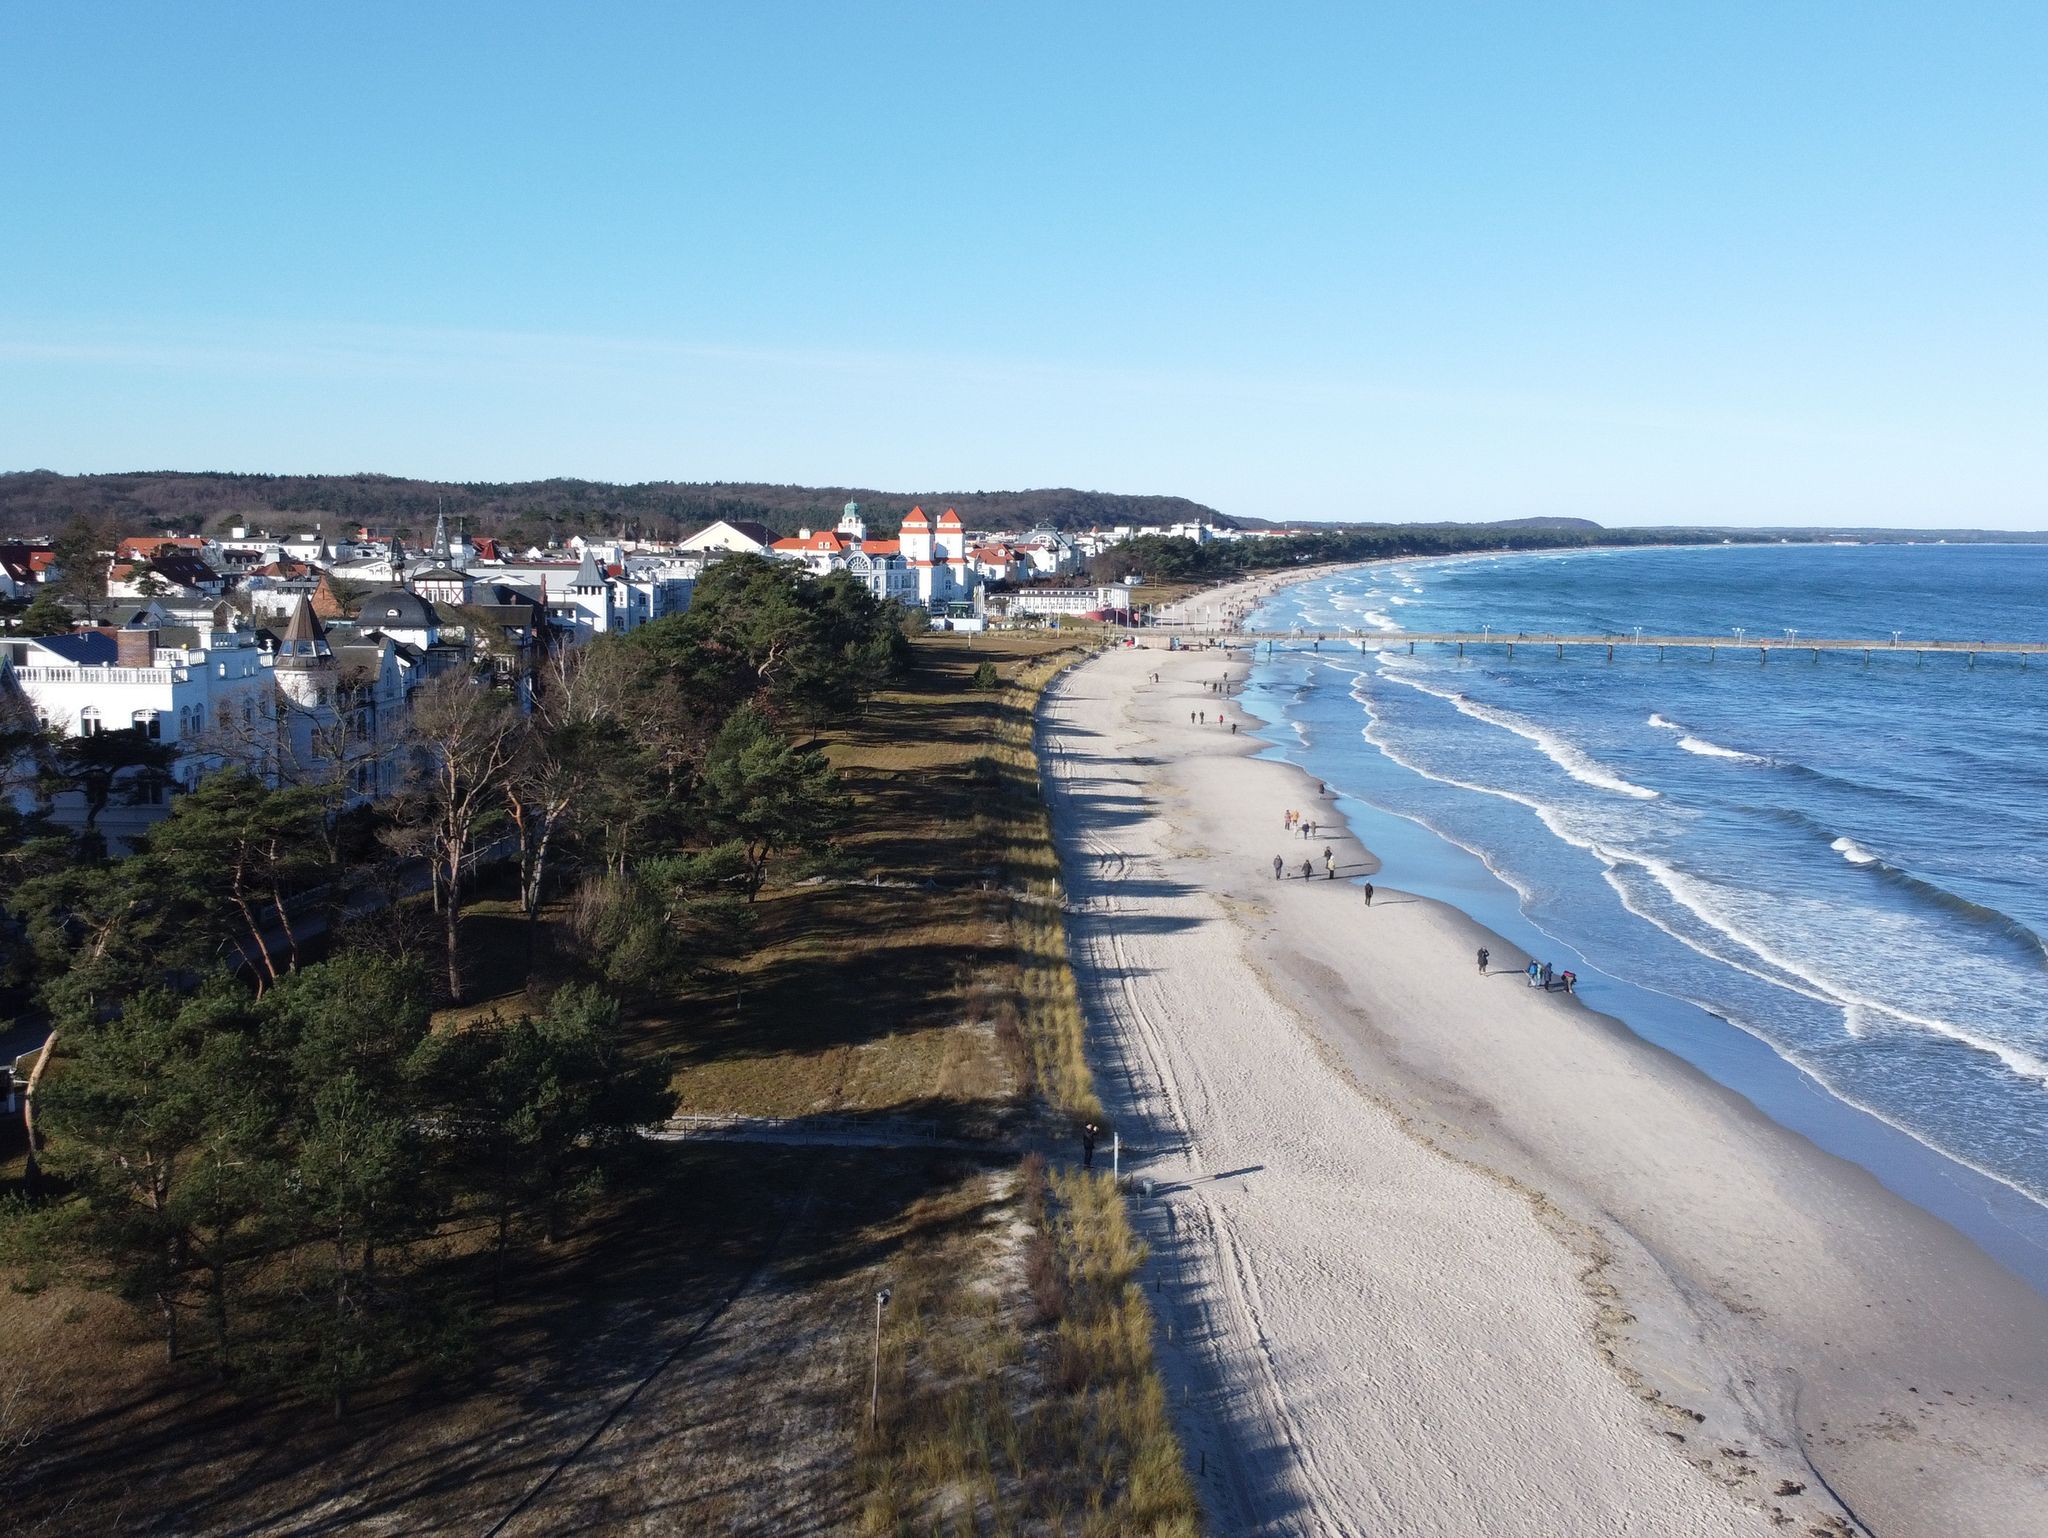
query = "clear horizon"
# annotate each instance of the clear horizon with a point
(1742, 265)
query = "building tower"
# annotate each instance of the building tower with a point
(591, 591)
(951, 548)
(305, 667)
(851, 525)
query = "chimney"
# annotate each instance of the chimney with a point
(135, 648)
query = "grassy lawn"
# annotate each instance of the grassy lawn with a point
(699, 1358)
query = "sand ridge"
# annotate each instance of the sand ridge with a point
(1444, 1254)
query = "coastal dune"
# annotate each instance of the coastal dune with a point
(1439, 1253)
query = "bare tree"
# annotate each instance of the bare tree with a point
(467, 739)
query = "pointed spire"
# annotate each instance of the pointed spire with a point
(441, 555)
(588, 574)
(305, 639)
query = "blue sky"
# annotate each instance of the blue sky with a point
(1725, 262)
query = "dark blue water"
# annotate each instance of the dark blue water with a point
(1846, 862)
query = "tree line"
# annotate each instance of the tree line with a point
(529, 512)
(1156, 558)
(249, 1125)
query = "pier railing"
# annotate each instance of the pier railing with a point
(1509, 641)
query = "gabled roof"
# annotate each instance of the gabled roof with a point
(949, 519)
(916, 519)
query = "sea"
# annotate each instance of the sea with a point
(1821, 878)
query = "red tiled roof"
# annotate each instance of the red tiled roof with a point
(949, 519)
(917, 519)
(136, 546)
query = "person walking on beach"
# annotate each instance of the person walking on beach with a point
(1546, 977)
(1535, 971)
(1329, 865)
(1308, 870)
(1571, 982)
(1484, 957)
(1233, 728)
(1368, 894)
(1088, 1135)
(1278, 865)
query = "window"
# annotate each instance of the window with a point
(146, 722)
(89, 722)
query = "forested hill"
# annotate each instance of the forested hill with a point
(39, 502)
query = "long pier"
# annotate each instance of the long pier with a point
(1632, 642)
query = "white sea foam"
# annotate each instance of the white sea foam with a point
(1567, 757)
(1707, 749)
(1664, 725)
(1853, 852)
(1694, 896)
(1380, 619)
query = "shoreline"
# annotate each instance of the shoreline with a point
(1991, 1210)
(1707, 1261)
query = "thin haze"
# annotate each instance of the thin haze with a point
(1725, 262)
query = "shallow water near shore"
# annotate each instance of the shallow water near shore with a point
(1813, 883)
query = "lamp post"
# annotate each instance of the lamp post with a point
(875, 1379)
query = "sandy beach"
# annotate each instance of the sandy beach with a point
(1440, 1253)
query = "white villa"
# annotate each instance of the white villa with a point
(926, 564)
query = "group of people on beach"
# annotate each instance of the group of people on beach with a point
(1542, 975)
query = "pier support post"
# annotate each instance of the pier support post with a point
(1560, 651)
(1411, 648)
(1511, 651)
(1866, 657)
(1461, 648)
(1610, 651)
(1763, 655)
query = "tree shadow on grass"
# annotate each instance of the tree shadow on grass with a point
(587, 1320)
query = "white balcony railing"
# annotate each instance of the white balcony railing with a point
(106, 675)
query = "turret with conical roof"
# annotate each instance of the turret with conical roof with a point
(304, 644)
(304, 667)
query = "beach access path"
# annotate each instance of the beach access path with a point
(1439, 1253)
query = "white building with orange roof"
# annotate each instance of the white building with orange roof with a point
(880, 565)
(936, 554)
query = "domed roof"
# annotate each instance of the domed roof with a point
(397, 610)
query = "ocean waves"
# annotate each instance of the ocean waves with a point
(1565, 755)
(1849, 865)
(1699, 746)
